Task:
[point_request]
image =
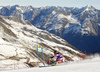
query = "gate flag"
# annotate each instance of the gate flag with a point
(40, 49)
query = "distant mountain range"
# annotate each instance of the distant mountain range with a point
(79, 26)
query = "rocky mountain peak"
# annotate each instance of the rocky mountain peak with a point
(90, 7)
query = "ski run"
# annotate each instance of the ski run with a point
(88, 65)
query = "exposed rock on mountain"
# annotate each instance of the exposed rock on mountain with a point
(75, 25)
(18, 43)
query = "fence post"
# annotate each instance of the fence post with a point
(18, 65)
(14, 65)
(85, 55)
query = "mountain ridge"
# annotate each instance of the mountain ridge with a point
(66, 22)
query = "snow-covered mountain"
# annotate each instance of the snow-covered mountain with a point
(18, 43)
(79, 26)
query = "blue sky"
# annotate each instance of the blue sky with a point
(39, 3)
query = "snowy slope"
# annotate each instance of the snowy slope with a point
(18, 44)
(89, 65)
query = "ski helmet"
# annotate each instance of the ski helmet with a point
(55, 52)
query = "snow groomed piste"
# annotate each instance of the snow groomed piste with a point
(88, 65)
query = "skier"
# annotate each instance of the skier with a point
(59, 58)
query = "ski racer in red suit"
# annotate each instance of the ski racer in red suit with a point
(59, 57)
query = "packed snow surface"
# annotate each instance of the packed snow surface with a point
(88, 65)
